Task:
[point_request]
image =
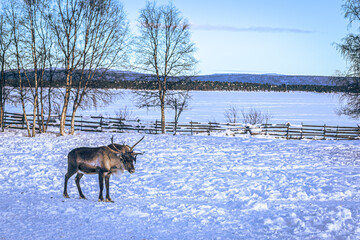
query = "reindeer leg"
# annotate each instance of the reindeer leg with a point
(101, 184)
(67, 176)
(77, 180)
(107, 185)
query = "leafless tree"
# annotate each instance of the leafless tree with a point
(14, 15)
(29, 56)
(178, 101)
(65, 21)
(125, 113)
(92, 37)
(31, 45)
(5, 41)
(255, 116)
(163, 48)
(349, 49)
(232, 115)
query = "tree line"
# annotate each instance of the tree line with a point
(139, 82)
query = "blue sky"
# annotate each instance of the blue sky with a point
(262, 36)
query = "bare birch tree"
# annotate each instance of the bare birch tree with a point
(29, 52)
(163, 49)
(179, 102)
(349, 49)
(106, 34)
(92, 38)
(5, 41)
(65, 21)
(14, 18)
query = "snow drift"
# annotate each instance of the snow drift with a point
(185, 187)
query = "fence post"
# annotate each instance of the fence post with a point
(120, 124)
(101, 120)
(4, 121)
(23, 121)
(301, 131)
(337, 132)
(324, 131)
(287, 130)
(191, 127)
(266, 129)
(81, 125)
(156, 123)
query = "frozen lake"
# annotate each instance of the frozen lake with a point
(293, 107)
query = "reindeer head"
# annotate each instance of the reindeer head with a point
(126, 154)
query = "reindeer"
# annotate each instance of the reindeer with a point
(104, 161)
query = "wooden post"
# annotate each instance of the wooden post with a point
(266, 129)
(4, 122)
(138, 125)
(101, 121)
(120, 126)
(191, 128)
(156, 123)
(287, 130)
(301, 131)
(23, 121)
(337, 130)
(324, 131)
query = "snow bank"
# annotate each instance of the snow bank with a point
(185, 187)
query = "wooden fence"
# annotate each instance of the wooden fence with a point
(113, 124)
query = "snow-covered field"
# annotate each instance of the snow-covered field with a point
(184, 187)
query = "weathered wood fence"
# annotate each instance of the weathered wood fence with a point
(113, 124)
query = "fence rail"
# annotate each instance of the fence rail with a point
(113, 124)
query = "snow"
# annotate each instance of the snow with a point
(184, 187)
(294, 107)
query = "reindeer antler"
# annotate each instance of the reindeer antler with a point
(136, 143)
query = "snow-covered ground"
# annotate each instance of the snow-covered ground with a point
(293, 107)
(184, 187)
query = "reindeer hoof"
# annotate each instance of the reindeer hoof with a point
(101, 200)
(82, 197)
(66, 196)
(109, 200)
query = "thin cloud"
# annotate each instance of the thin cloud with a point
(250, 29)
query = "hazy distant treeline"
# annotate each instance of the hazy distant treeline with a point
(196, 85)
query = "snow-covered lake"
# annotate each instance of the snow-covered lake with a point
(293, 107)
(184, 187)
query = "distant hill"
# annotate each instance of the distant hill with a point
(274, 79)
